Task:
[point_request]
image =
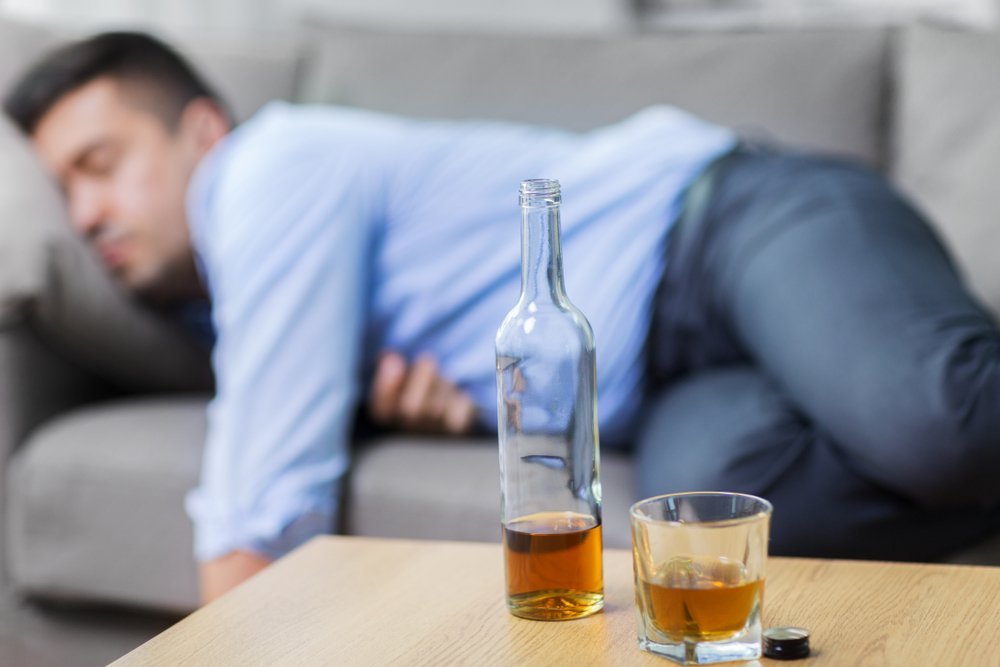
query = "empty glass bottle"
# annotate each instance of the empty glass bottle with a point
(547, 410)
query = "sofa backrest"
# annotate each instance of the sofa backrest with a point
(820, 89)
(247, 74)
(815, 89)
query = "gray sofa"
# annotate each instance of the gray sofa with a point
(102, 405)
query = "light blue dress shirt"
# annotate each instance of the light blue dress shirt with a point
(328, 234)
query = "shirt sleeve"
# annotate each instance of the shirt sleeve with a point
(284, 248)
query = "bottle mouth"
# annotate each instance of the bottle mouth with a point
(540, 191)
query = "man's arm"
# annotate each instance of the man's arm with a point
(285, 248)
(412, 396)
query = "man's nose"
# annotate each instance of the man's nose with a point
(86, 209)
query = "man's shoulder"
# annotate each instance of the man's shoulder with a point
(282, 148)
(285, 133)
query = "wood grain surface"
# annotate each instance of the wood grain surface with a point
(364, 601)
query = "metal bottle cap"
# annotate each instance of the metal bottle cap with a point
(786, 643)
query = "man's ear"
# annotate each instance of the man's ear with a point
(204, 123)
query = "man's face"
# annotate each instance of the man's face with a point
(125, 176)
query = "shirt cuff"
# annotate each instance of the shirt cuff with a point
(269, 534)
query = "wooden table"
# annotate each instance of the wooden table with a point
(362, 601)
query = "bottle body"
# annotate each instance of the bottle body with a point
(547, 421)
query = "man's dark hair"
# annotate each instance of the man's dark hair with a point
(134, 59)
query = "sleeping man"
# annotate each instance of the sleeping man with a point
(766, 321)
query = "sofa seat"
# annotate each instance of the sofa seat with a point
(96, 500)
(95, 504)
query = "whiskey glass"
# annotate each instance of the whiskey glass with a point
(699, 561)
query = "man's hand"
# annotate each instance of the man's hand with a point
(416, 398)
(226, 572)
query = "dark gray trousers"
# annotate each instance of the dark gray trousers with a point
(813, 344)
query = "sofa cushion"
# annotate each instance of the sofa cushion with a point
(947, 144)
(817, 89)
(450, 489)
(52, 280)
(95, 504)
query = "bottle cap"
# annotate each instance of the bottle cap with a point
(786, 643)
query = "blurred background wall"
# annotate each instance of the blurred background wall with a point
(269, 17)
(223, 18)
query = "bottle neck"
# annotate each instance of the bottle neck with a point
(541, 257)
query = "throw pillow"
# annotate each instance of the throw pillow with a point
(20, 43)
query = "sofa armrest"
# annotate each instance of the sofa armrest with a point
(35, 384)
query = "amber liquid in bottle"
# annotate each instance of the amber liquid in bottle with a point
(554, 567)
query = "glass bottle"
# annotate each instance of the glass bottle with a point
(547, 421)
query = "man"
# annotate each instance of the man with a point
(803, 333)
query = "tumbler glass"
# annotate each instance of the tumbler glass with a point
(699, 561)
